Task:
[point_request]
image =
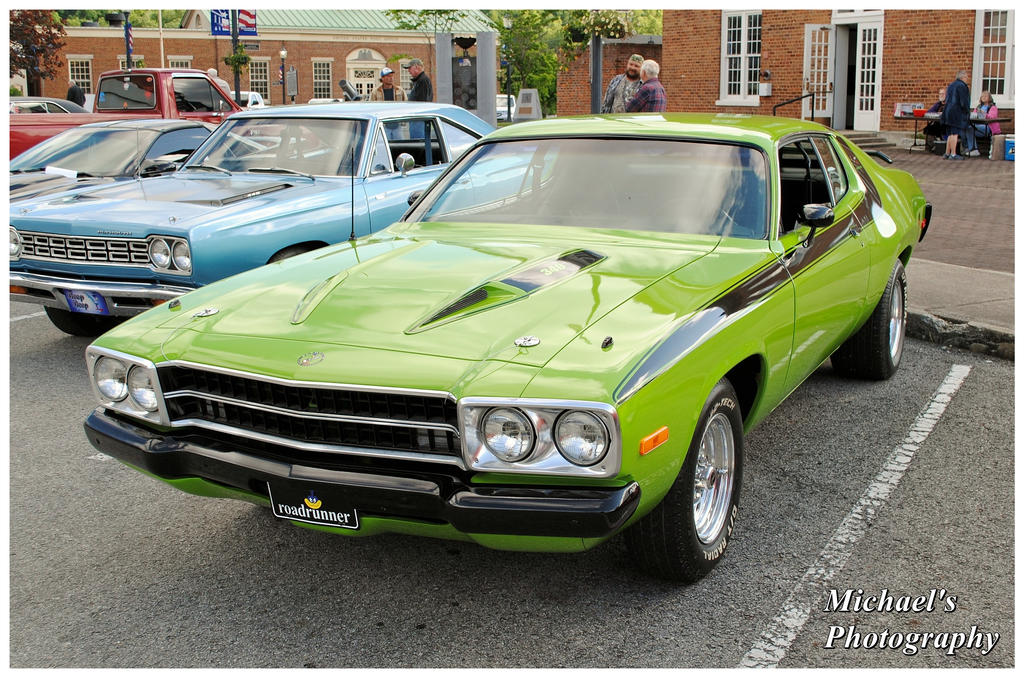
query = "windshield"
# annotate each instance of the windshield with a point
(320, 146)
(99, 152)
(632, 184)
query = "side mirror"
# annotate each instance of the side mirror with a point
(414, 196)
(157, 168)
(404, 162)
(816, 216)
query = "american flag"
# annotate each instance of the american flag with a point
(128, 37)
(247, 21)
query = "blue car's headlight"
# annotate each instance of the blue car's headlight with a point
(15, 243)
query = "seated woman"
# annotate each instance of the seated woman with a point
(986, 109)
(935, 131)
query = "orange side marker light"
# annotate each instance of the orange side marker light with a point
(654, 440)
(17, 289)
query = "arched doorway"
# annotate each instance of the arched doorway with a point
(362, 69)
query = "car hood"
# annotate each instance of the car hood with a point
(449, 290)
(35, 184)
(173, 203)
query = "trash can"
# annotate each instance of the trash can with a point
(1009, 147)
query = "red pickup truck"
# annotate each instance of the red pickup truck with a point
(140, 92)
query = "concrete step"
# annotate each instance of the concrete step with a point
(870, 141)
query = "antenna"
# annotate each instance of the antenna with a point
(352, 184)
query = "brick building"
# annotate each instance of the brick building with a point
(324, 46)
(859, 63)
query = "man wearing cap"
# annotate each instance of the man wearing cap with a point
(386, 90)
(622, 87)
(422, 88)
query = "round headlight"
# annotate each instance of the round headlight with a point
(15, 243)
(508, 434)
(182, 257)
(140, 387)
(110, 378)
(581, 438)
(159, 253)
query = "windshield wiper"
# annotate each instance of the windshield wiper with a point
(280, 170)
(209, 168)
(27, 171)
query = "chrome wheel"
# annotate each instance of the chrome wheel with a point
(897, 319)
(713, 478)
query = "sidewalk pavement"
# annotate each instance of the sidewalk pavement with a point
(961, 278)
(959, 306)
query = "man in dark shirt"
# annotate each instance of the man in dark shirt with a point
(422, 88)
(651, 95)
(75, 93)
(956, 114)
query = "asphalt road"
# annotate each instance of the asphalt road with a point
(109, 568)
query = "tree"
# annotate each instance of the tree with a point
(647, 21)
(37, 38)
(140, 18)
(426, 21)
(528, 46)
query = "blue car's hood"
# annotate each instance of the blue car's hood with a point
(174, 204)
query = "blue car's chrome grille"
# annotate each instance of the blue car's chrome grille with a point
(47, 247)
(312, 415)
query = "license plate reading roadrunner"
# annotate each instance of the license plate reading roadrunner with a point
(310, 505)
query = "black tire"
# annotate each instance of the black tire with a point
(876, 349)
(292, 251)
(667, 542)
(80, 324)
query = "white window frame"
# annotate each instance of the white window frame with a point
(322, 61)
(84, 83)
(175, 61)
(743, 99)
(405, 80)
(122, 60)
(1005, 100)
(265, 92)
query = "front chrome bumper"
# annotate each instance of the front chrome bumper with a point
(123, 298)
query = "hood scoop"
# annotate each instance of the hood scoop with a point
(514, 286)
(239, 197)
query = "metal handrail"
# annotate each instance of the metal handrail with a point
(795, 99)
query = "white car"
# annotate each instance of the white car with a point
(251, 100)
(503, 107)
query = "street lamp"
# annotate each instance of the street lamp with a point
(284, 96)
(507, 21)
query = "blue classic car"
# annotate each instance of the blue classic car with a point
(268, 184)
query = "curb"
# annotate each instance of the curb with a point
(975, 337)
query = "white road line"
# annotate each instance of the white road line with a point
(771, 648)
(26, 317)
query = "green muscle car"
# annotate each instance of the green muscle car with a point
(566, 337)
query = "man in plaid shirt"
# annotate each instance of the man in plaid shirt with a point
(651, 95)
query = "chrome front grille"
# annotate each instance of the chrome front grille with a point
(322, 417)
(122, 251)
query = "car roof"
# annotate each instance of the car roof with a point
(353, 109)
(158, 124)
(764, 130)
(56, 100)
